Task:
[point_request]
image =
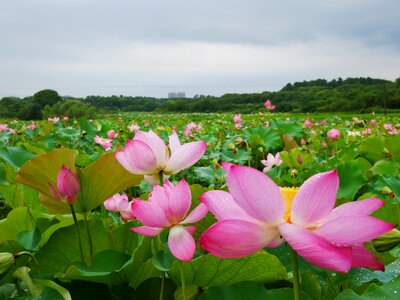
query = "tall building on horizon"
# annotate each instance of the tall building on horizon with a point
(176, 95)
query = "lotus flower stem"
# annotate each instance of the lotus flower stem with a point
(162, 285)
(296, 278)
(161, 177)
(71, 206)
(89, 238)
(182, 273)
(32, 257)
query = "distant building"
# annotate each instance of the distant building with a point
(176, 95)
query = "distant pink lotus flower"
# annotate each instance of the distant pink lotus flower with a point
(303, 141)
(271, 161)
(4, 127)
(133, 127)
(166, 209)
(266, 124)
(146, 124)
(366, 131)
(121, 204)
(237, 118)
(324, 144)
(65, 118)
(111, 134)
(54, 120)
(372, 123)
(388, 126)
(105, 143)
(11, 130)
(147, 154)
(257, 213)
(31, 126)
(238, 125)
(307, 123)
(67, 186)
(324, 122)
(268, 105)
(333, 134)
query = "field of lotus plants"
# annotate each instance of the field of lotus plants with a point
(201, 206)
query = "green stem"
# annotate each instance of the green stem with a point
(296, 277)
(161, 178)
(162, 285)
(89, 238)
(182, 279)
(71, 206)
(32, 257)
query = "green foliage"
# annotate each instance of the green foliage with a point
(70, 108)
(46, 97)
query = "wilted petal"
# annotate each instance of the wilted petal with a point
(351, 230)
(355, 208)
(185, 156)
(181, 243)
(156, 144)
(196, 214)
(362, 258)
(315, 199)
(174, 142)
(255, 193)
(149, 214)
(236, 238)
(138, 158)
(316, 249)
(222, 206)
(146, 230)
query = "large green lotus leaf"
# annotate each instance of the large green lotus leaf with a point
(15, 156)
(352, 177)
(287, 127)
(68, 133)
(264, 137)
(248, 290)
(208, 270)
(43, 169)
(17, 220)
(375, 148)
(101, 180)
(389, 291)
(385, 167)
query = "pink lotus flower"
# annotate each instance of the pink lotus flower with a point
(68, 186)
(65, 118)
(133, 127)
(268, 105)
(111, 134)
(366, 131)
(257, 212)
(147, 154)
(271, 161)
(4, 127)
(31, 126)
(307, 123)
(166, 208)
(324, 144)
(105, 143)
(120, 203)
(237, 118)
(324, 122)
(333, 134)
(372, 123)
(146, 124)
(238, 125)
(54, 120)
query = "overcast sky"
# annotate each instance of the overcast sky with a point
(152, 47)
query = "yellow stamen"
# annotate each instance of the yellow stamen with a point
(288, 195)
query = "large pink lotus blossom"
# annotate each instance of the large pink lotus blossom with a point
(67, 186)
(147, 154)
(268, 105)
(256, 213)
(121, 204)
(167, 208)
(333, 134)
(271, 161)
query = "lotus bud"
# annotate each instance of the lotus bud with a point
(6, 260)
(238, 140)
(299, 159)
(261, 149)
(386, 190)
(231, 146)
(387, 241)
(68, 186)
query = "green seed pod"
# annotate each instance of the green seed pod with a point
(231, 146)
(6, 260)
(386, 190)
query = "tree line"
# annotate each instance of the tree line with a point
(349, 95)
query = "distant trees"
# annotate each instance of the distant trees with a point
(351, 94)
